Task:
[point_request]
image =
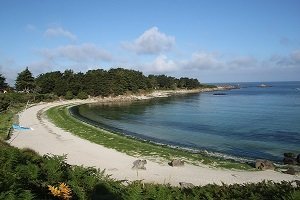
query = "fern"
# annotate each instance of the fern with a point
(134, 191)
(26, 195)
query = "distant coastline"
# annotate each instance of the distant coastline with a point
(160, 94)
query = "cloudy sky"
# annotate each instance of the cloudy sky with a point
(212, 40)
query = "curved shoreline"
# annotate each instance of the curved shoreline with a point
(154, 141)
(48, 138)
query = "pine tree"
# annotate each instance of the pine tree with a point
(3, 84)
(25, 81)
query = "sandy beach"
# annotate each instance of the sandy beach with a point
(46, 138)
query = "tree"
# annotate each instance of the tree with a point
(3, 84)
(47, 82)
(25, 81)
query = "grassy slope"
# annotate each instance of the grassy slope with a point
(6, 120)
(61, 117)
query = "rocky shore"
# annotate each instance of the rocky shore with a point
(159, 94)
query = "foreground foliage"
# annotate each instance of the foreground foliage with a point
(26, 175)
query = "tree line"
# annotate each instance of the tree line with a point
(98, 82)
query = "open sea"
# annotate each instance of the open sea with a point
(251, 122)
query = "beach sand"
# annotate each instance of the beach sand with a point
(46, 138)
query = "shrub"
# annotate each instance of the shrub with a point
(4, 102)
(69, 95)
(82, 95)
(45, 97)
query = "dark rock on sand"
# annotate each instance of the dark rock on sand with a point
(139, 164)
(264, 164)
(298, 158)
(176, 163)
(293, 170)
(289, 161)
(186, 185)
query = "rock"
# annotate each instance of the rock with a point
(176, 163)
(186, 185)
(219, 93)
(289, 161)
(289, 155)
(297, 183)
(139, 164)
(290, 171)
(298, 158)
(293, 171)
(264, 165)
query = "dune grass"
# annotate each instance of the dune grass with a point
(61, 117)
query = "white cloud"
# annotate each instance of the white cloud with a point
(202, 60)
(152, 41)
(59, 32)
(77, 57)
(243, 61)
(9, 70)
(77, 53)
(198, 61)
(295, 57)
(291, 60)
(161, 64)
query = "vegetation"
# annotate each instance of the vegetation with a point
(26, 175)
(25, 81)
(12, 102)
(69, 95)
(82, 95)
(100, 82)
(61, 117)
(3, 84)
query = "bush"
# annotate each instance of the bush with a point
(24, 173)
(45, 97)
(69, 95)
(82, 95)
(4, 102)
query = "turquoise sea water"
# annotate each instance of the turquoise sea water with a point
(250, 122)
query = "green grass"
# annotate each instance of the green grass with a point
(161, 153)
(7, 119)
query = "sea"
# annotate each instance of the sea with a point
(247, 123)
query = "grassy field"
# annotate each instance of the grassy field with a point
(61, 117)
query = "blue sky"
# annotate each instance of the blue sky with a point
(214, 41)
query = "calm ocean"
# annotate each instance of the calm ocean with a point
(251, 122)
